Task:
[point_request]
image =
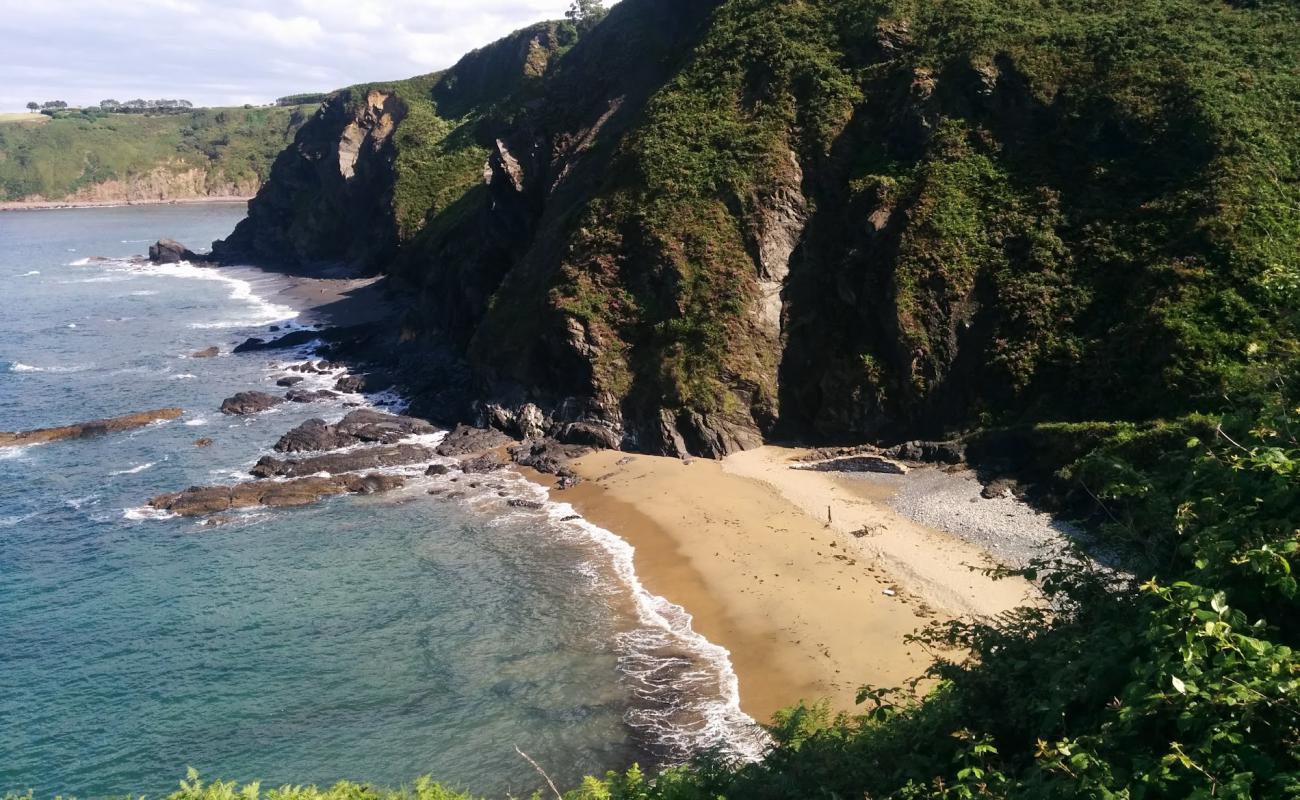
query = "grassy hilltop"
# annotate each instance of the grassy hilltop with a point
(97, 156)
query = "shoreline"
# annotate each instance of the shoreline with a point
(806, 610)
(57, 205)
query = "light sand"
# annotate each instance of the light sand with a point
(802, 606)
(49, 205)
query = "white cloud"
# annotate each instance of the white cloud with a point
(216, 53)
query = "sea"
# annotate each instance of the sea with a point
(376, 639)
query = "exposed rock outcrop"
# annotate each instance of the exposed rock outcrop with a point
(362, 425)
(248, 403)
(87, 429)
(169, 251)
(334, 463)
(202, 501)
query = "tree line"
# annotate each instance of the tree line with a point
(139, 106)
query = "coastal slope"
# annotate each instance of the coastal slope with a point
(701, 225)
(96, 158)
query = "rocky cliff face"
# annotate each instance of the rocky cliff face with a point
(707, 222)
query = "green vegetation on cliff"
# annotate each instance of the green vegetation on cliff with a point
(1069, 231)
(72, 156)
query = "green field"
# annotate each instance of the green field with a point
(57, 158)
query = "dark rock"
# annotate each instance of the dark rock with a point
(856, 464)
(204, 442)
(466, 439)
(438, 469)
(481, 465)
(294, 339)
(362, 425)
(86, 429)
(547, 455)
(929, 452)
(290, 381)
(1001, 487)
(350, 384)
(337, 463)
(246, 403)
(312, 435)
(307, 396)
(168, 251)
(592, 434)
(367, 425)
(211, 352)
(529, 504)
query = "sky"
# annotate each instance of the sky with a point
(231, 52)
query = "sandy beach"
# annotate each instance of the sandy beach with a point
(808, 609)
(46, 205)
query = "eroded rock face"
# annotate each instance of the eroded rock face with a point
(367, 458)
(201, 501)
(87, 429)
(246, 403)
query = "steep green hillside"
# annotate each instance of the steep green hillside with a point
(137, 157)
(1069, 231)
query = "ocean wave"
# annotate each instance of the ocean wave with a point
(81, 262)
(146, 513)
(264, 311)
(18, 366)
(183, 376)
(133, 470)
(687, 703)
(196, 421)
(29, 274)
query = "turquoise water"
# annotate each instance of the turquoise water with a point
(376, 639)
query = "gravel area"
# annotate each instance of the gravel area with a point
(1010, 530)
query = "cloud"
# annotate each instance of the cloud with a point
(230, 52)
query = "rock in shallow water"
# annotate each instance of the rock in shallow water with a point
(246, 403)
(85, 429)
(362, 425)
(202, 501)
(467, 439)
(335, 463)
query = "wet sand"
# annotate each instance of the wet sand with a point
(807, 609)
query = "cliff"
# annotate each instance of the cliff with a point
(105, 158)
(705, 223)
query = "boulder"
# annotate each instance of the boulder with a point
(466, 439)
(169, 251)
(246, 403)
(290, 382)
(547, 455)
(86, 429)
(437, 469)
(211, 352)
(350, 384)
(532, 505)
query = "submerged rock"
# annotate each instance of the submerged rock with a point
(246, 403)
(86, 429)
(211, 352)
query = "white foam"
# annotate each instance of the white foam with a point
(18, 366)
(133, 470)
(196, 421)
(29, 274)
(81, 262)
(184, 376)
(145, 293)
(144, 513)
